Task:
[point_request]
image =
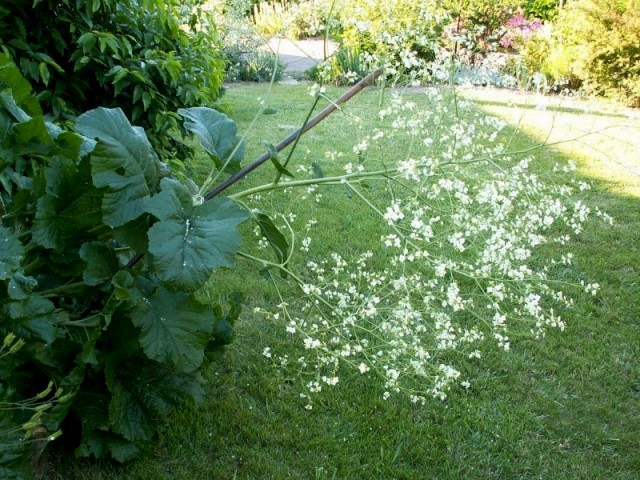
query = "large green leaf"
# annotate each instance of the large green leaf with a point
(174, 328)
(9, 104)
(275, 238)
(189, 241)
(32, 137)
(123, 162)
(134, 234)
(74, 146)
(127, 415)
(141, 391)
(222, 333)
(11, 253)
(33, 318)
(100, 443)
(70, 207)
(10, 77)
(101, 262)
(20, 287)
(14, 454)
(6, 154)
(92, 404)
(124, 287)
(173, 201)
(217, 134)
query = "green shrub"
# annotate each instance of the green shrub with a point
(401, 34)
(149, 57)
(543, 9)
(346, 67)
(104, 343)
(607, 35)
(594, 44)
(296, 20)
(313, 18)
(547, 55)
(271, 19)
(254, 66)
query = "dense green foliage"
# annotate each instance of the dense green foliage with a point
(594, 44)
(606, 39)
(256, 66)
(148, 57)
(114, 339)
(542, 9)
(298, 19)
(380, 27)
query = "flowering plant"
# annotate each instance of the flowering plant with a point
(455, 271)
(518, 30)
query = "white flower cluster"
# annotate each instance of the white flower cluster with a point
(459, 269)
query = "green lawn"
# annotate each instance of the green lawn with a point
(565, 407)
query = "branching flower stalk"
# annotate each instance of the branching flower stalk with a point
(456, 272)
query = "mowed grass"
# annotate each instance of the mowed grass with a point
(565, 407)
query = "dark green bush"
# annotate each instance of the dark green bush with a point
(102, 252)
(148, 57)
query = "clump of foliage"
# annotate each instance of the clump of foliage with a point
(593, 45)
(402, 33)
(243, 48)
(477, 25)
(543, 9)
(270, 18)
(550, 62)
(402, 36)
(606, 39)
(102, 252)
(255, 66)
(297, 19)
(346, 67)
(148, 57)
(316, 18)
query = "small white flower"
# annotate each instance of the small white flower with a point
(363, 368)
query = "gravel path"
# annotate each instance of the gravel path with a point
(301, 55)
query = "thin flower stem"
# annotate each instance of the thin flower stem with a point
(337, 180)
(295, 135)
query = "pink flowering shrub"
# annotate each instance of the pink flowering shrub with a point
(519, 29)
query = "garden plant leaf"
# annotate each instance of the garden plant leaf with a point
(191, 241)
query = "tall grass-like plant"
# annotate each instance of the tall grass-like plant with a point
(346, 67)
